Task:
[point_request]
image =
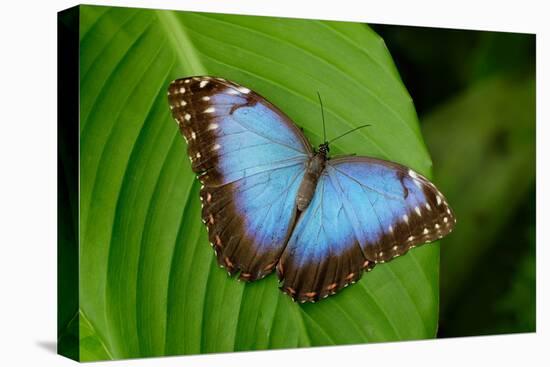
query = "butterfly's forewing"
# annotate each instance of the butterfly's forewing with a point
(364, 211)
(250, 159)
(400, 208)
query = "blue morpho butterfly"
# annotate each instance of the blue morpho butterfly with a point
(271, 201)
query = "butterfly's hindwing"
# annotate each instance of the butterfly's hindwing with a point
(250, 159)
(249, 220)
(322, 255)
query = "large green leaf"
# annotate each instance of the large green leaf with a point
(149, 283)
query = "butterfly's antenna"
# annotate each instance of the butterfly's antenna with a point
(323, 117)
(349, 131)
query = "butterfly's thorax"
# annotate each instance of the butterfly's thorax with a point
(314, 169)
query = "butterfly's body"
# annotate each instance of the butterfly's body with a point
(315, 167)
(269, 201)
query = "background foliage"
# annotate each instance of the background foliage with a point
(149, 283)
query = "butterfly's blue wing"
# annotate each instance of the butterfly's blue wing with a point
(250, 159)
(364, 211)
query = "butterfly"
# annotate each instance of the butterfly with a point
(271, 202)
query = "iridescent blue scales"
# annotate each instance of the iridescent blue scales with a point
(254, 164)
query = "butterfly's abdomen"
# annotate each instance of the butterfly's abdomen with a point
(307, 187)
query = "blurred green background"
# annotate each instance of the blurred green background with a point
(474, 92)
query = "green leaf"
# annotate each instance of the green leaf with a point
(149, 283)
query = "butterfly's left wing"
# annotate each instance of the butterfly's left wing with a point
(364, 211)
(250, 159)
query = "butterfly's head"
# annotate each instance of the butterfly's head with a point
(324, 149)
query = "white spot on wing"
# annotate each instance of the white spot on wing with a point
(193, 135)
(213, 126)
(243, 90)
(438, 198)
(182, 90)
(187, 117)
(210, 110)
(417, 210)
(406, 218)
(203, 83)
(206, 98)
(216, 147)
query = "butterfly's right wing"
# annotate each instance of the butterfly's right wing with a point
(250, 159)
(364, 211)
